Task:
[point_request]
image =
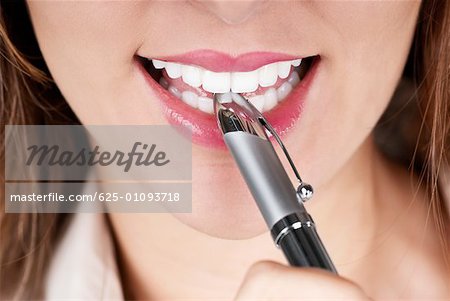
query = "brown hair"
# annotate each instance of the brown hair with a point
(27, 95)
(434, 95)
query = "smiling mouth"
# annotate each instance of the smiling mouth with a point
(276, 84)
(265, 87)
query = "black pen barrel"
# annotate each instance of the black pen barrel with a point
(296, 235)
(245, 134)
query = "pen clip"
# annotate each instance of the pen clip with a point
(304, 190)
(247, 118)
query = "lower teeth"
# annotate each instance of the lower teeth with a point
(263, 103)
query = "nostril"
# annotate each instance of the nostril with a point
(231, 12)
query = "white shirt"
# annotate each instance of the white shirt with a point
(84, 265)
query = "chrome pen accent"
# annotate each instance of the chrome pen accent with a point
(245, 132)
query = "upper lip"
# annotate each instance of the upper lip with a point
(221, 62)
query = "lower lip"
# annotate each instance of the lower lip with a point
(203, 127)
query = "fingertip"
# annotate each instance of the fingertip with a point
(259, 279)
(265, 267)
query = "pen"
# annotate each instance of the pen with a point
(245, 132)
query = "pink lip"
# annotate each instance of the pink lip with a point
(203, 127)
(222, 62)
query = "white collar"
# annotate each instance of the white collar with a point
(83, 266)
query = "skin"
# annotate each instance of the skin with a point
(365, 206)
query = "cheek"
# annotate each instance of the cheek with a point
(366, 50)
(80, 44)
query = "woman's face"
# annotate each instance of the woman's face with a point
(355, 51)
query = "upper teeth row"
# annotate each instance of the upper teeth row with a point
(222, 82)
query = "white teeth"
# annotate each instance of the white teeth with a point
(296, 63)
(268, 75)
(206, 105)
(215, 82)
(294, 79)
(159, 64)
(173, 70)
(190, 98)
(284, 68)
(224, 98)
(258, 102)
(244, 81)
(263, 103)
(237, 82)
(270, 99)
(192, 75)
(174, 91)
(284, 90)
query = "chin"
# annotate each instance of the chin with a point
(233, 215)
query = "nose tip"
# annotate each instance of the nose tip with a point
(231, 12)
